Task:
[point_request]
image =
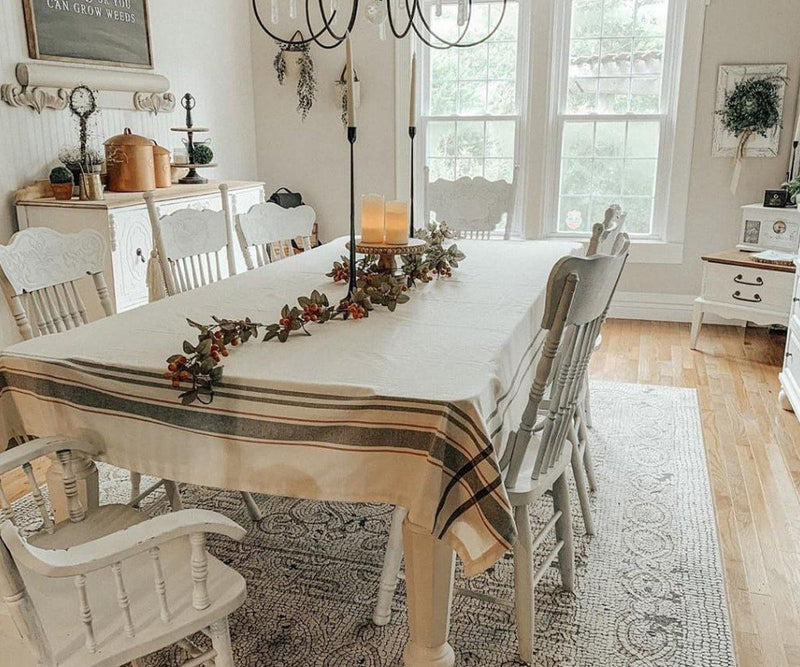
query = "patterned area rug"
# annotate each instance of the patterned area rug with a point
(650, 588)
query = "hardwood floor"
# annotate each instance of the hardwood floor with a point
(753, 451)
(754, 460)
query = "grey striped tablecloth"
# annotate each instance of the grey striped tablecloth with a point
(409, 408)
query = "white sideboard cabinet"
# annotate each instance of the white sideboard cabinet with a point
(123, 221)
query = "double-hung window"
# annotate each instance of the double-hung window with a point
(614, 107)
(471, 120)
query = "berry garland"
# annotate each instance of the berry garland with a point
(199, 369)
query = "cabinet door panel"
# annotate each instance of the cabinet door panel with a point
(134, 242)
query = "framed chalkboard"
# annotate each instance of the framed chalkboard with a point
(100, 32)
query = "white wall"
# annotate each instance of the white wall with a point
(202, 46)
(736, 31)
(312, 156)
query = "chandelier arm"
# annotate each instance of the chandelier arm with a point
(458, 43)
(445, 44)
(329, 23)
(409, 10)
(299, 42)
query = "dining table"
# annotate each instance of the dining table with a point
(410, 408)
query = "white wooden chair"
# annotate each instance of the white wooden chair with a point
(42, 269)
(471, 207)
(603, 242)
(267, 231)
(194, 248)
(109, 586)
(538, 455)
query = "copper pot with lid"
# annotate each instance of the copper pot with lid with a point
(162, 166)
(130, 163)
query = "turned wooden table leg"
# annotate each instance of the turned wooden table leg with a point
(430, 565)
(88, 484)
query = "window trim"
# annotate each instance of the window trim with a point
(403, 50)
(541, 188)
(670, 72)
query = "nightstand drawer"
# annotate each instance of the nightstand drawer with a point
(791, 363)
(744, 286)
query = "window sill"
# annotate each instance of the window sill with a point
(643, 251)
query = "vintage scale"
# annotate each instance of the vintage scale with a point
(192, 178)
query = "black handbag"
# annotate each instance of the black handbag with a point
(285, 198)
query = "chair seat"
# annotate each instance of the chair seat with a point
(57, 599)
(528, 488)
(99, 522)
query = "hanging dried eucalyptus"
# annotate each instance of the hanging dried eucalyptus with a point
(280, 64)
(306, 84)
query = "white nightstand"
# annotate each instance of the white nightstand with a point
(790, 375)
(738, 288)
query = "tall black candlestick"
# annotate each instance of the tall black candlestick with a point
(412, 132)
(351, 137)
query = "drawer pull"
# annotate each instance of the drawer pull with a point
(140, 255)
(738, 296)
(740, 279)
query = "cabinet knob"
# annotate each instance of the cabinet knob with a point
(140, 255)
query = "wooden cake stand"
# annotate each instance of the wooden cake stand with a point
(387, 253)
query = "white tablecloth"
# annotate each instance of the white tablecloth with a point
(409, 408)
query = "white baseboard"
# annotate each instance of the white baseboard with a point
(660, 308)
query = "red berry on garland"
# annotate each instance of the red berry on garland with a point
(172, 367)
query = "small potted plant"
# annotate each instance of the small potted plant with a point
(61, 181)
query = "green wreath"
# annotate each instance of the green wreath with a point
(753, 106)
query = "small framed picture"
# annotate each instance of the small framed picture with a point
(776, 198)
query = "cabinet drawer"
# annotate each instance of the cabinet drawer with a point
(791, 362)
(748, 287)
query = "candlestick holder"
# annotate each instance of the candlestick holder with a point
(387, 254)
(412, 133)
(351, 137)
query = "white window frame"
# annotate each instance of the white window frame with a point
(403, 51)
(683, 48)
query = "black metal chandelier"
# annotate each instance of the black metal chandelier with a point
(401, 17)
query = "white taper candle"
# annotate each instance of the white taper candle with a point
(797, 123)
(412, 106)
(350, 80)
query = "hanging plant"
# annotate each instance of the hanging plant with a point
(280, 65)
(306, 83)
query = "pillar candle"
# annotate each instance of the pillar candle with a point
(372, 218)
(396, 223)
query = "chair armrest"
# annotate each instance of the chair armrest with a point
(118, 546)
(33, 449)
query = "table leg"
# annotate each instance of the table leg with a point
(88, 484)
(697, 323)
(430, 565)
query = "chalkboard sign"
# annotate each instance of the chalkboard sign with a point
(101, 32)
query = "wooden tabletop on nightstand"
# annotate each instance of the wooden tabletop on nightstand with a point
(741, 258)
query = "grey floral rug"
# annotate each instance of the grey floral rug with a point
(650, 587)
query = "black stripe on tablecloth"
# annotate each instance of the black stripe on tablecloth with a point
(236, 425)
